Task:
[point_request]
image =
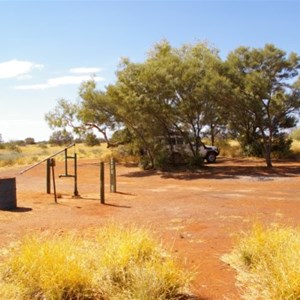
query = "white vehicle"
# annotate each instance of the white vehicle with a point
(180, 148)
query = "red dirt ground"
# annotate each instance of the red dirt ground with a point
(195, 214)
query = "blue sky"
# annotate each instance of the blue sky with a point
(49, 47)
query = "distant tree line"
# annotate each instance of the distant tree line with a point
(253, 96)
(58, 138)
(27, 141)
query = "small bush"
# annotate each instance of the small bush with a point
(267, 264)
(117, 263)
(92, 140)
(194, 162)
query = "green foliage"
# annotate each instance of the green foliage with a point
(266, 261)
(264, 97)
(195, 162)
(117, 263)
(63, 115)
(281, 146)
(172, 91)
(190, 91)
(91, 140)
(121, 136)
(252, 144)
(29, 141)
(61, 137)
(163, 160)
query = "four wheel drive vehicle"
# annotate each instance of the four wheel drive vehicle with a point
(181, 148)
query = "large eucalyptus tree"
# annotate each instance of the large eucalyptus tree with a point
(264, 95)
(173, 90)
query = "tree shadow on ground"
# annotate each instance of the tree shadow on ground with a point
(223, 170)
(106, 204)
(116, 205)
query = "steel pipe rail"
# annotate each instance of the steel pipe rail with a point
(40, 162)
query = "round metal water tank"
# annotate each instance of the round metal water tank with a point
(8, 195)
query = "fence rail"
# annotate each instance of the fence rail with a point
(40, 162)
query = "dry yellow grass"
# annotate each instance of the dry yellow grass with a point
(113, 263)
(267, 263)
(296, 147)
(30, 154)
(229, 148)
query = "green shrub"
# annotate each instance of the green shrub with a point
(92, 140)
(281, 145)
(163, 160)
(116, 263)
(194, 162)
(267, 263)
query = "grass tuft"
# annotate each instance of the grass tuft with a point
(116, 263)
(267, 263)
(296, 147)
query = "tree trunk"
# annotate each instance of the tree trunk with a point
(212, 134)
(151, 158)
(268, 156)
(267, 146)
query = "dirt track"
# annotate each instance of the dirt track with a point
(195, 213)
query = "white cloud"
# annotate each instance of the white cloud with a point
(84, 70)
(58, 81)
(24, 77)
(17, 68)
(36, 128)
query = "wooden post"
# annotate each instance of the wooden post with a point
(102, 197)
(48, 176)
(113, 183)
(76, 194)
(52, 164)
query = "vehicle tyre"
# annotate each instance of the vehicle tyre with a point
(211, 157)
